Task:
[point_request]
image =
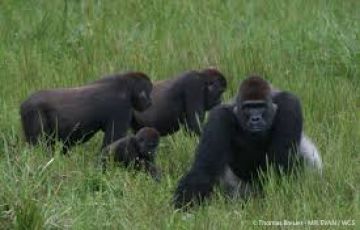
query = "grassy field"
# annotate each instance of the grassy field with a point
(309, 47)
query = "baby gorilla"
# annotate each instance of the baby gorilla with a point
(138, 151)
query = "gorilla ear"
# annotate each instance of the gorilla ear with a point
(275, 107)
(142, 94)
(235, 110)
(211, 87)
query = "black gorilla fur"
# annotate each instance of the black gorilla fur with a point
(261, 128)
(138, 151)
(74, 115)
(184, 100)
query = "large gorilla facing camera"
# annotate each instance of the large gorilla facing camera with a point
(254, 108)
(263, 127)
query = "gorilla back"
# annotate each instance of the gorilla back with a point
(74, 115)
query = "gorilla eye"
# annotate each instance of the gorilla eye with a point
(253, 105)
(210, 86)
(143, 94)
(141, 139)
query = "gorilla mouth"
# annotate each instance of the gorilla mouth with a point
(147, 105)
(143, 106)
(256, 129)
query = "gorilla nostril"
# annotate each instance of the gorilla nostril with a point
(255, 119)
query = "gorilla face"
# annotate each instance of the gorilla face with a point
(213, 92)
(148, 148)
(142, 99)
(147, 141)
(255, 116)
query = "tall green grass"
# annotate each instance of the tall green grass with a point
(309, 47)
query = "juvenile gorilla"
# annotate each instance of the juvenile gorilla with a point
(261, 128)
(138, 151)
(74, 115)
(182, 100)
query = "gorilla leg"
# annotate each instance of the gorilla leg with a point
(213, 154)
(34, 125)
(310, 153)
(114, 130)
(235, 188)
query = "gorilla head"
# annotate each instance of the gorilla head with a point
(215, 86)
(254, 108)
(147, 140)
(140, 96)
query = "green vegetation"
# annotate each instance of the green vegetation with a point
(309, 47)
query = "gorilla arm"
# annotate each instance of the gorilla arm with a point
(194, 105)
(116, 127)
(213, 154)
(153, 170)
(286, 130)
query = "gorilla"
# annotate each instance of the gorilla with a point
(138, 151)
(262, 127)
(182, 100)
(74, 115)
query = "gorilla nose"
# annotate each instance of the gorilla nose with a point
(255, 119)
(148, 104)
